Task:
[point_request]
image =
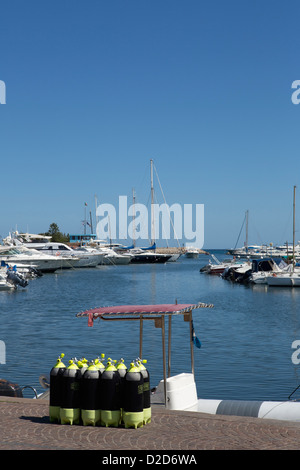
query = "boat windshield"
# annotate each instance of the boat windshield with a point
(10, 251)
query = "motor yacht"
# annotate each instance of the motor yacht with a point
(111, 254)
(145, 256)
(81, 257)
(112, 257)
(21, 255)
(192, 253)
(289, 277)
(218, 267)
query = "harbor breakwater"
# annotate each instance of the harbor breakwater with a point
(178, 250)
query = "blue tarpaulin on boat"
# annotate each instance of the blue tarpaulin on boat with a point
(152, 247)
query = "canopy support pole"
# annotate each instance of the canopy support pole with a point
(164, 356)
(191, 343)
(169, 345)
(189, 317)
(141, 336)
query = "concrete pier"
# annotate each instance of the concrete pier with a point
(25, 425)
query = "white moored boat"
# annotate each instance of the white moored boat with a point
(218, 267)
(22, 256)
(7, 283)
(285, 278)
(113, 258)
(111, 254)
(81, 257)
(192, 253)
(290, 276)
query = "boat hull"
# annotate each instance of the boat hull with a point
(89, 261)
(150, 258)
(284, 281)
(116, 260)
(280, 410)
(6, 286)
(192, 255)
(40, 264)
(181, 395)
(216, 270)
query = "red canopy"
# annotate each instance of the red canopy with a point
(139, 310)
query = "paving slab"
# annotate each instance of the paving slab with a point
(25, 425)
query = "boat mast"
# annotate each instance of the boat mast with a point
(91, 222)
(133, 221)
(84, 230)
(96, 205)
(152, 204)
(247, 221)
(294, 228)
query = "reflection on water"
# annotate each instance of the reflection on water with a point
(246, 338)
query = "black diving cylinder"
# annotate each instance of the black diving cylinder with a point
(146, 390)
(56, 374)
(122, 369)
(70, 400)
(110, 396)
(83, 365)
(99, 363)
(90, 398)
(133, 411)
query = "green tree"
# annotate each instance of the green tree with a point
(56, 235)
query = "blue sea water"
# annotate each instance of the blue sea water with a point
(246, 339)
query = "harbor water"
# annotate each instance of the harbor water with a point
(246, 340)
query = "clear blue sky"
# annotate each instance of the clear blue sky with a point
(96, 89)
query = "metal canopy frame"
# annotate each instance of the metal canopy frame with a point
(150, 312)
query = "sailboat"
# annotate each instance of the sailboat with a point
(290, 276)
(148, 255)
(246, 251)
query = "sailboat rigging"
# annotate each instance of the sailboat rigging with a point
(149, 254)
(289, 277)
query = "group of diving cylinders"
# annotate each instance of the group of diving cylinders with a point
(93, 394)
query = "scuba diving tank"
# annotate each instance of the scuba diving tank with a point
(55, 389)
(122, 369)
(82, 364)
(133, 411)
(70, 403)
(110, 396)
(99, 364)
(90, 399)
(146, 390)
